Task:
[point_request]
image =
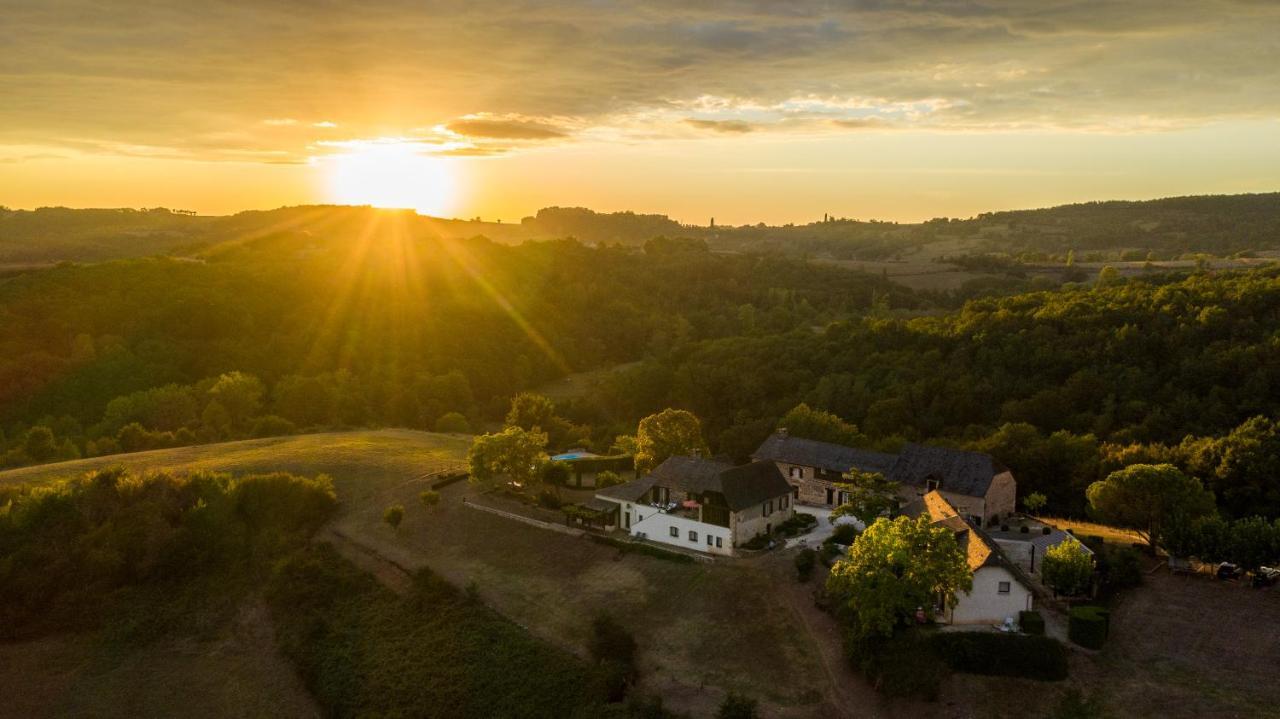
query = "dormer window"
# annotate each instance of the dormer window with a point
(931, 485)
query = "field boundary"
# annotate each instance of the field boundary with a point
(521, 518)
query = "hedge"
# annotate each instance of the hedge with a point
(1088, 626)
(1005, 655)
(641, 548)
(1031, 622)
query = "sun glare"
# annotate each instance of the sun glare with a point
(389, 174)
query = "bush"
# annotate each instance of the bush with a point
(736, 706)
(548, 498)
(1067, 568)
(1120, 567)
(272, 426)
(394, 515)
(1031, 622)
(429, 498)
(905, 665)
(607, 478)
(453, 422)
(805, 562)
(829, 553)
(843, 534)
(1006, 655)
(1088, 626)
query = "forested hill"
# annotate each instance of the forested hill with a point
(1170, 228)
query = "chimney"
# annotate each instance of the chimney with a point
(782, 431)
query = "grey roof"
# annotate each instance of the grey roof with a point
(742, 487)
(596, 504)
(689, 474)
(627, 491)
(957, 471)
(781, 447)
(752, 484)
(1042, 542)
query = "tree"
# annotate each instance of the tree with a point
(216, 420)
(871, 495)
(820, 425)
(514, 455)
(1067, 568)
(394, 515)
(893, 568)
(531, 411)
(1034, 502)
(453, 422)
(39, 444)
(665, 434)
(1147, 497)
(241, 395)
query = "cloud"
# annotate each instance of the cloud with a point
(725, 126)
(505, 129)
(155, 75)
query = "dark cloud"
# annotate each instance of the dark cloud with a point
(497, 129)
(725, 126)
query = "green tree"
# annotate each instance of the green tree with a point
(394, 515)
(39, 444)
(1067, 568)
(453, 422)
(216, 420)
(871, 495)
(1034, 502)
(820, 425)
(1147, 497)
(241, 395)
(531, 411)
(893, 568)
(512, 455)
(665, 434)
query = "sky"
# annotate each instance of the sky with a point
(744, 111)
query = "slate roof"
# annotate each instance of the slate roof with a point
(742, 487)
(752, 484)
(979, 549)
(957, 471)
(1042, 542)
(781, 447)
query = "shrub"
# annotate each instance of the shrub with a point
(1007, 655)
(272, 426)
(736, 706)
(1024, 529)
(805, 562)
(829, 553)
(1088, 626)
(1067, 568)
(394, 515)
(1031, 622)
(904, 665)
(607, 478)
(843, 534)
(1046, 530)
(453, 422)
(1121, 567)
(548, 498)
(429, 498)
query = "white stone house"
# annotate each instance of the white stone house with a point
(1000, 588)
(701, 504)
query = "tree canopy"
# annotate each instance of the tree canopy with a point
(1146, 498)
(667, 433)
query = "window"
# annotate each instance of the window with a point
(693, 536)
(708, 540)
(1003, 588)
(797, 473)
(718, 543)
(675, 532)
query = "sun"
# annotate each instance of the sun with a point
(390, 173)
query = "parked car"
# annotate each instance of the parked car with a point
(1227, 570)
(1265, 577)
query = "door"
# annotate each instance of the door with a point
(626, 520)
(830, 496)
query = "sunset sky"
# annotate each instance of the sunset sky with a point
(746, 111)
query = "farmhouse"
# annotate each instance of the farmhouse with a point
(701, 504)
(814, 468)
(974, 483)
(1000, 588)
(979, 487)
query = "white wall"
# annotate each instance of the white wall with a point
(656, 526)
(984, 604)
(752, 520)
